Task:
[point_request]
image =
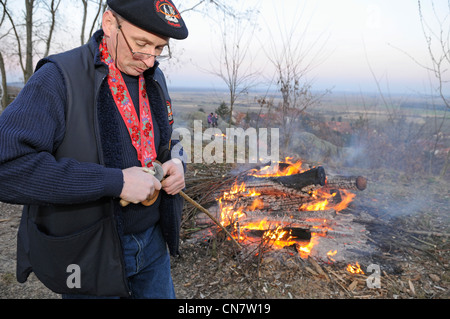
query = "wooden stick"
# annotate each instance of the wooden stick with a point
(427, 233)
(204, 210)
(347, 182)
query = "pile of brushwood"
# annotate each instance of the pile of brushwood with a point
(410, 234)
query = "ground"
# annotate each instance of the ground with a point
(411, 234)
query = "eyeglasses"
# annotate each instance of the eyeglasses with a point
(163, 53)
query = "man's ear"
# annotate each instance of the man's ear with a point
(109, 22)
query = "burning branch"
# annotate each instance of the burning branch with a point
(347, 182)
(204, 210)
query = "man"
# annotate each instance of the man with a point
(74, 144)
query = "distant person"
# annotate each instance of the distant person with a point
(75, 142)
(210, 119)
(214, 120)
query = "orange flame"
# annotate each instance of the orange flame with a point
(275, 170)
(257, 204)
(305, 250)
(330, 254)
(323, 201)
(239, 189)
(355, 269)
(277, 234)
(274, 232)
(228, 213)
(320, 205)
(347, 198)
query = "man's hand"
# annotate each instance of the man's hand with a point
(174, 172)
(138, 185)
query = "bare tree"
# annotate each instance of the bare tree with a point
(234, 63)
(4, 87)
(99, 7)
(83, 24)
(28, 70)
(32, 38)
(96, 22)
(52, 8)
(437, 37)
(435, 25)
(25, 50)
(26, 65)
(236, 31)
(293, 58)
(203, 5)
(438, 45)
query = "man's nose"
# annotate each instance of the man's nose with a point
(149, 62)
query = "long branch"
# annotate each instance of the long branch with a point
(53, 9)
(19, 47)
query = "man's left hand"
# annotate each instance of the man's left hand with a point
(174, 172)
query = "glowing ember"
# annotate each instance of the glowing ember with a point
(355, 269)
(257, 204)
(330, 254)
(277, 234)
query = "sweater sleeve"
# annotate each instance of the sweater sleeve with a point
(31, 129)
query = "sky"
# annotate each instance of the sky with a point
(362, 42)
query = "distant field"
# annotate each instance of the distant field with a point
(348, 106)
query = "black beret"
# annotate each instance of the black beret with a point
(156, 16)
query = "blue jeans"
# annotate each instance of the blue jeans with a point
(147, 264)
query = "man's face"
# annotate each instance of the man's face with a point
(123, 38)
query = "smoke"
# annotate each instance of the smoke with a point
(398, 154)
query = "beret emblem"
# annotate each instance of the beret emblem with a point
(167, 11)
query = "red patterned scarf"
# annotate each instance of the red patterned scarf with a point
(139, 128)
